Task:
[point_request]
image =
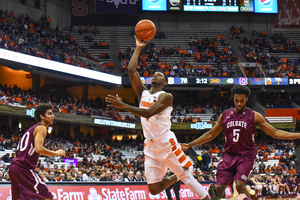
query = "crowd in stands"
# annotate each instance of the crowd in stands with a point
(61, 101)
(99, 161)
(259, 49)
(278, 179)
(204, 51)
(275, 100)
(23, 34)
(236, 31)
(281, 67)
(189, 103)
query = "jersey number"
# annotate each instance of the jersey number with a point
(24, 143)
(236, 135)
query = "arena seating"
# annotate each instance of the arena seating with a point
(103, 35)
(173, 38)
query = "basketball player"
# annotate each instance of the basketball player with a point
(25, 183)
(240, 151)
(295, 15)
(161, 147)
(284, 16)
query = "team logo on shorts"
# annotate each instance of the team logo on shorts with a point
(266, 3)
(154, 1)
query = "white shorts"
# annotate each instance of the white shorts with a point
(162, 153)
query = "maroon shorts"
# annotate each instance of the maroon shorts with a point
(234, 167)
(26, 184)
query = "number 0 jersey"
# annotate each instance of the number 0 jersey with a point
(26, 156)
(239, 131)
(158, 124)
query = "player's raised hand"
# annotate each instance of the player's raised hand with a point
(140, 43)
(115, 101)
(184, 146)
(60, 152)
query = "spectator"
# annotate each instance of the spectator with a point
(138, 176)
(62, 177)
(107, 176)
(1, 162)
(1, 176)
(121, 177)
(92, 177)
(79, 177)
(130, 177)
(52, 177)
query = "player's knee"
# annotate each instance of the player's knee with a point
(240, 187)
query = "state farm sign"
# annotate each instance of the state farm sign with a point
(107, 192)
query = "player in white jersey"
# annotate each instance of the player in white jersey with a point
(161, 148)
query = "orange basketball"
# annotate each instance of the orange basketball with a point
(145, 29)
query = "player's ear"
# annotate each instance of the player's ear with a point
(165, 83)
(246, 99)
(42, 116)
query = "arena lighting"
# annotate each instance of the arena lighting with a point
(59, 67)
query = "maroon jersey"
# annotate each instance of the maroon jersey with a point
(239, 131)
(26, 156)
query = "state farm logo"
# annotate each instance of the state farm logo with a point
(94, 195)
(76, 195)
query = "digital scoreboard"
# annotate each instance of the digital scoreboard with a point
(211, 5)
(250, 6)
(225, 81)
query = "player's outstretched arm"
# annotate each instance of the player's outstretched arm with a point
(133, 74)
(40, 133)
(208, 136)
(270, 130)
(164, 100)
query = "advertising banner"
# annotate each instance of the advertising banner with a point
(154, 5)
(125, 7)
(107, 192)
(288, 14)
(246, 6)
(266, 6)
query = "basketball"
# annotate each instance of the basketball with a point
(145, 29)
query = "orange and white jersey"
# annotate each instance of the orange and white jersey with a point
(159, 124)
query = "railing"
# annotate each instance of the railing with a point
(280, 119)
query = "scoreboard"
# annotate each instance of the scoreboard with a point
(225, 81)
(211, 5)
(250, 6)
(294, 81)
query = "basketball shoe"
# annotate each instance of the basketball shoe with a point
(212, 191)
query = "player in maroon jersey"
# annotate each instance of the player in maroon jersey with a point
(25, 183)
(240, 151)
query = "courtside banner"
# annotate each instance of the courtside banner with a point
(118, 7)
(107, 192)
(59, 67)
